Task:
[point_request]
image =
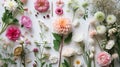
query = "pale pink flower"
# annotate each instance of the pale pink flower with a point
(92, 33)
(62, 26)
(41, 5)
(26, 21)
(13, 33)
(103, 59)
(59, 3)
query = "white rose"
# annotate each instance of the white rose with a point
(110, 44)
(101, 29)
(68, 52)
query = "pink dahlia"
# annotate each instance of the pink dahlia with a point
(26, 21)
(104, 59)
(13, 33)
(41, 5)
(62, 26)
(59, 11)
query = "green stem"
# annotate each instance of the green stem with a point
(4, 26)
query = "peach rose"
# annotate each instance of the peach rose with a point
(103, 59)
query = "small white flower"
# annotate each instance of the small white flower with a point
(91, 55)
(115, 56)
(68, 52)
(77, 63)
(92, 49)
(99, 16)
(10, 5)
(78, 38)
(110, 44)
(111, 19)
(76, 23)
(112, 31)
(101, 29)
(53, 59)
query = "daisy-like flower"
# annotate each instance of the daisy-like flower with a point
(53, 59)
(10, 5)
(110, 44)
(41, 5)
(111, 19)
(85, 4)
(99, 16)
(101, 29)
(59, 11)
(62, 26)
(77, 63)
(68, 52)
(13, 33)
(18, 50)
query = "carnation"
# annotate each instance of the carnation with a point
(10, 5)
(68, 52)
(62, 26)
(101, 29)
(13, 33)
(104, 59)
(110, 44)
(99, 16)
(111, 19)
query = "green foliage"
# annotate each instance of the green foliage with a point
(68, 39)
(65, 64)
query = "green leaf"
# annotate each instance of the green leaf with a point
(57, 37)
(8, 60)
(66, 63)
(56, 45)
(42, 64)
(68, 39)
(5, 65)
(50, 65)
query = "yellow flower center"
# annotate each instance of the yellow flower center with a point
(78, 62)
(11, 4)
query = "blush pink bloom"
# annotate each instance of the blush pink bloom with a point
(62, 26)
(59, 3)
(92, 33)
(26, 22)
(59, 11)
(23, 1)
(41, 5)
(13, 33)
(103, 59)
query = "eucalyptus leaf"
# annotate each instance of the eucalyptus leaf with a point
(68, 39)
(56, 45)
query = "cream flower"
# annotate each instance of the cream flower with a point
(68, 52)
(111, 19)
(112, 31)
(10, 5)
(115, 56)
(78, 38)
(62, 26)
(110, 44)
(99, 16)
(77, 63)
(53, 59)
(18, 50)
(101, 29)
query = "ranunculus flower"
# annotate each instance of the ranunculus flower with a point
(23, 1)
(103, 59)
(41, 5)
(26, 21)
(62, 26)
(99, 16)
(13, 33)
(59, 11)
(18, 50)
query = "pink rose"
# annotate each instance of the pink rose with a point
(59, 11)
(26, 21)
(41, 5)
(13, 33)
(103, 59)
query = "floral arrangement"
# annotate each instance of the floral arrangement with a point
(60, 41)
